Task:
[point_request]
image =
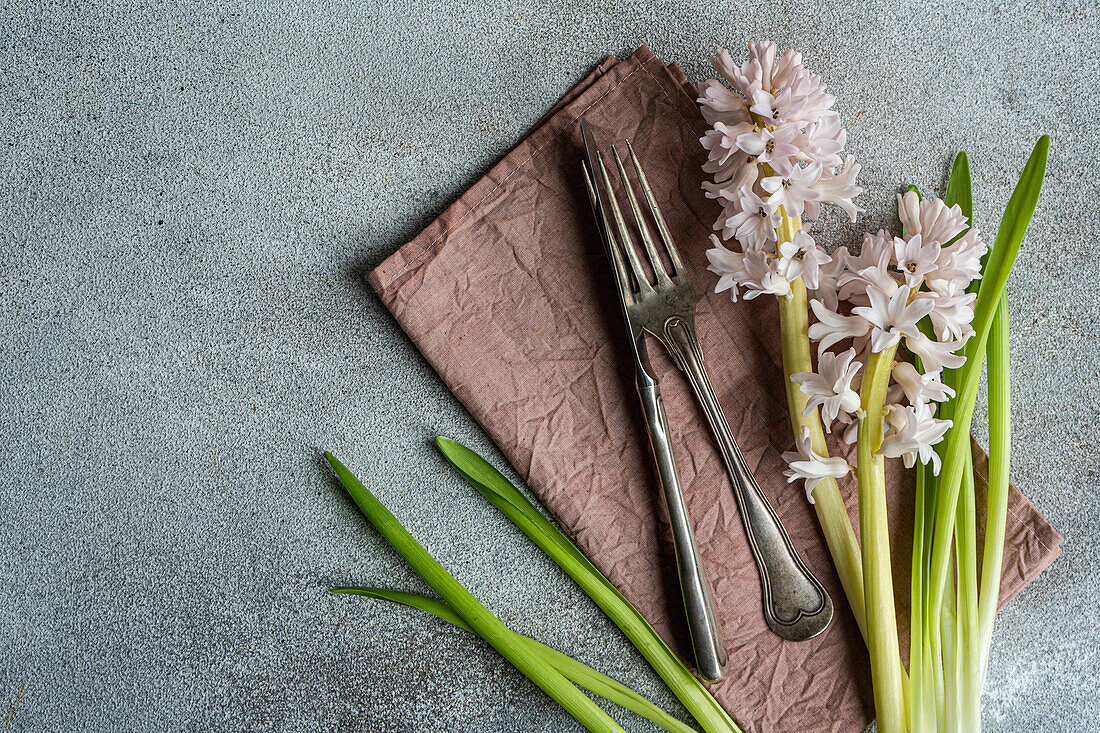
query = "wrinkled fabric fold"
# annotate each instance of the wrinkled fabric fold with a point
(508, 296)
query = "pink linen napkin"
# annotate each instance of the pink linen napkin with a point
(509, 297)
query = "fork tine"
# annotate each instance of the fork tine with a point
(662, 227)
(622, 277)
(626, 243)
(643, 226)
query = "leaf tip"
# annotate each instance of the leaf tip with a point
(355, 591)
(1043, 145)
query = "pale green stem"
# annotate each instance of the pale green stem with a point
(948, 722)
(997, 503)
(828, 504)
(881, 617)
(832, 515)
(969, 681)
(919, 651)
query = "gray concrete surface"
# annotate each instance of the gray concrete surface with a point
(191, 195)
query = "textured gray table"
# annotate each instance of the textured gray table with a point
(191, 195)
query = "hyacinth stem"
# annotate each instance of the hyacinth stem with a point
(997, 502)
(881, 617)
(832, 515)
(921, 696)
(969, 663)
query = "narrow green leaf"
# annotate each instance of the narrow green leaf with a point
(947, 707)
(923, 625)
(577, 672)
(504, 496)
(916, 600)
(1010, 234)
(508, 499)
(479, 618)
(934, 667)
(960, 192)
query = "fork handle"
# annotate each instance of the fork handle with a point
(711, 655)
(796, 606)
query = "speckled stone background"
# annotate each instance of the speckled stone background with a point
(192, 193)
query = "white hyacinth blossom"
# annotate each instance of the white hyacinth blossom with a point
(892, 316)
(878, 299)
(831, 387)
(805, 463)
(801, 258)
(912, 431)
(793, 188)
(917, 387)
(915, 258)
(753, 224)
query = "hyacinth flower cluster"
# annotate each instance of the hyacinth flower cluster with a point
(901, 329)
(774, 149)
(876, 302)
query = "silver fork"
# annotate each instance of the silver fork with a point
(796, 606)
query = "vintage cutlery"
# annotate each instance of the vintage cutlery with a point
(711, 655)
(796, 606)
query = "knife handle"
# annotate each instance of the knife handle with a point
(711, 655)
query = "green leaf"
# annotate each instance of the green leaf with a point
(507, 498)
(479, 618)
(1010, 234)
(504, 496)
(433, 606)
(966, 639)
(577, 672)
